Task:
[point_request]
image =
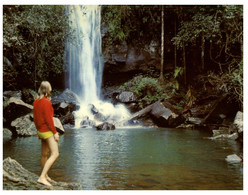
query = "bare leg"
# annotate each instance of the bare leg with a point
(53, 146)
(45, 151)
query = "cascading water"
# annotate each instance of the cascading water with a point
(85, 69)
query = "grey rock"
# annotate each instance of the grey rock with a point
(67, 119)
(238, 122)
(164, 116)
(194, 120)
(105, 126)
(233, 158)
(7, 134)
(9, 94)
(127, 58)
(66, 96)
(14, 108)
(58, 125)
(63, 108)
(65, 103)
(126, 97)
(161, 114)
(24, 126)
(15, 177)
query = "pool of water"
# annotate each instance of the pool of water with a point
(139, 159)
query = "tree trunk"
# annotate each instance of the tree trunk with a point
(161, 78)
(175, 47)
(184, 64)
(202, 52)
(241, 47)
(35, 78)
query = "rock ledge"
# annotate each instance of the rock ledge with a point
(15, 177)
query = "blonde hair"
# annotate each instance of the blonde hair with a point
(44, 90)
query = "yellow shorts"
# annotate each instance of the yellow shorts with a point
(45, 135)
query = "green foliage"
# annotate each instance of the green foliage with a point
(147, 89)
(33, 41)
(136, 24)
(10, 73)
(221, 24)
(221, 27)
(178, 72)
(229, 82)
(235, 84)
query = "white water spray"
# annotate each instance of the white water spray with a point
(85, 69)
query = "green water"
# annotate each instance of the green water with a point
(148, 159)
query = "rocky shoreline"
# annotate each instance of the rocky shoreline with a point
(18, 122)
(18, 118)
(15, 177)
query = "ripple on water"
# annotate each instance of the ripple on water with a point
(135, 159)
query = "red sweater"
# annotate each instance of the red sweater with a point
(43, 115)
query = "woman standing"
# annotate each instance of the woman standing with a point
(43, 118)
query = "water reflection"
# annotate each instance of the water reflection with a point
(136, 159)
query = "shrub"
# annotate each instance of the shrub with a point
(147, 89)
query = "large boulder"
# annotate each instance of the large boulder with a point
(14, 108)
(66, 96)
(105, 126)
(9, 94)
(165, 117)
(162, 114)
(238, 122)
(237, 126)
(65, 103)
(15, 177)
(24, 126)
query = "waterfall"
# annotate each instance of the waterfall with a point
(85, 67)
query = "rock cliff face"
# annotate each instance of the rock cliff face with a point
(124, 61)
(15, 177)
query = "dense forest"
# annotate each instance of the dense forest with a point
(168, 79)
(197, 47)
